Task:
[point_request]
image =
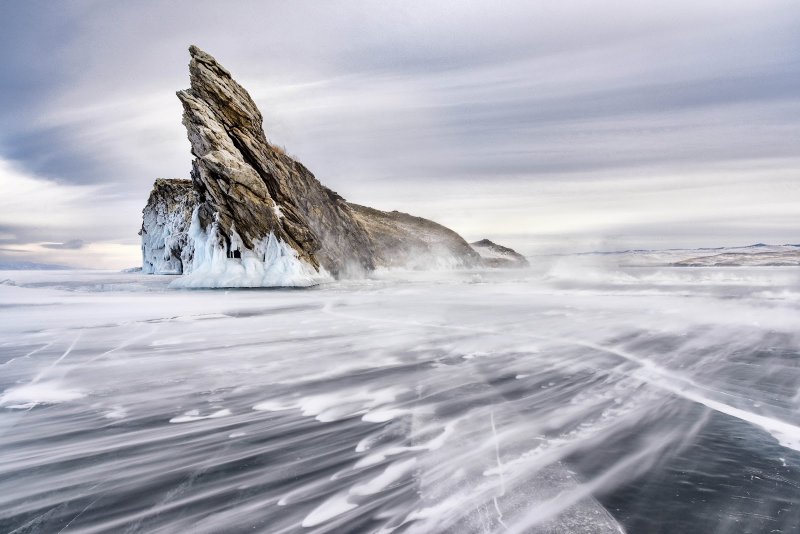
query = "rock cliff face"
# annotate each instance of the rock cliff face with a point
(253, 216)
(166, 248)
(402, 240)
(250, 190)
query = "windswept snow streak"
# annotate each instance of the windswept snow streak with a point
(567, 399)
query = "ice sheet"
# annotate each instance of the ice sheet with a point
(468, 401)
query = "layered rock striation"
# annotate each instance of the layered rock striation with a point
(253, 216)
(250, 190)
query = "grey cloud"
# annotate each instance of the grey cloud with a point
(406, 43)
(411, 95)
(120, 231)
(73, 244)
(11, 234)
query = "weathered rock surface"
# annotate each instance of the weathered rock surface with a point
(402, 240)
(253, 187)
(253, 216)
(166, 247)
(494, 255)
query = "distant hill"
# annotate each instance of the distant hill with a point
(772, 258)
(494, 255)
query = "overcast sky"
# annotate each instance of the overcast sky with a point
(575, 125)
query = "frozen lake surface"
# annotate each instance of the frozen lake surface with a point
(578, 396)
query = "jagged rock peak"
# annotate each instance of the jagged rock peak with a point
(251, 191)
(214, 84)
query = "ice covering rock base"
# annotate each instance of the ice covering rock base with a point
(165, 225)
(269, 263)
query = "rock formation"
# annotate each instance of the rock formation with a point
(250, 190)
(253, 216)
(402, 240)
(165, 226)
(494, 255)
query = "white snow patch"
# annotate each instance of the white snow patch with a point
(432, 445)
(334, 506)
(30, 395)
(336, 406)
(390, 475)
(273, 406)
(194, 415)
(116, 412)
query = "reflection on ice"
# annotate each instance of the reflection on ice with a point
(566, 398)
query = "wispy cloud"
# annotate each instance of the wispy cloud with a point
(577, 119)
(73, 244)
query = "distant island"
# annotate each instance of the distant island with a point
(758, 255)
(254, 216)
